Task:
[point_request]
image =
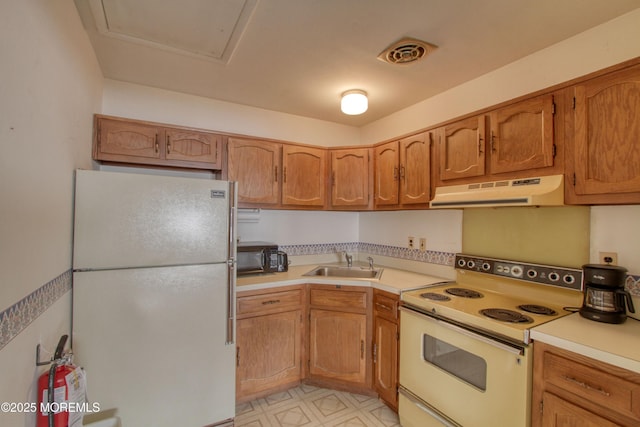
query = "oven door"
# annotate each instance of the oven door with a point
(458, 377)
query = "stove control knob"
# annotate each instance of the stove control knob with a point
(568, 279)
(554, 276)
(471, 263)
(532, 273)
(461, 262)
(516, 271)
(486, 266)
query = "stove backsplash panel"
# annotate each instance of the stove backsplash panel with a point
(545, 235)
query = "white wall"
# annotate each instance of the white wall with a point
(616, 229)
(50, 87)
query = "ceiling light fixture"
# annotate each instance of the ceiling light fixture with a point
(354, 102)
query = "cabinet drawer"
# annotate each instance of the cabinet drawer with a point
(596, 386)
(385, 306)
(339, 299)
(269, 302)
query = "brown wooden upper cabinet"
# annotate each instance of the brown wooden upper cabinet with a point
(606, 139)
(277, 175)
(303, 176)
(402, 172)
(461, 149)
(351, 178)
(521, 136)
(256, 166)
(139, 142)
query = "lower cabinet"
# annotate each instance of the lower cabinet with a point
(340, 337)
(386, 340)
(268, 342)
(570, 389)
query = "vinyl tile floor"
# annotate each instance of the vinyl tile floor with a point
(310, 406)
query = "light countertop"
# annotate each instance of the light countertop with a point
(618, 345)
(391, 280)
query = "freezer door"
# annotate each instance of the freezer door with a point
(152, 342)
(135, 220)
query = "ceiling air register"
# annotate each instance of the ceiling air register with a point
(539, 191)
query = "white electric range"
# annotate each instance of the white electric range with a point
(465, 356)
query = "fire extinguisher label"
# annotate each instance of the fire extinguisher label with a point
(59, 396)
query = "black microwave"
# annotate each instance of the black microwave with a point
(261, 257)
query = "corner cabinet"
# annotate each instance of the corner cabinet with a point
(386, 339)
(605, 148)
(275, 175)
(574, 390)
(402, 172)
(351, 178)
(139, 142)
(268, 341)
(340, 337)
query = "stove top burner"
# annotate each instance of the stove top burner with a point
(538, 309)
(505, 315)
(434, 296)
(464, 292)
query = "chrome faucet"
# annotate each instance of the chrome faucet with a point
(349, 259)
(370, 262)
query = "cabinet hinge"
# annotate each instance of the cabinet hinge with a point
(398, 336)
(574, 102)
(553, 108)
(574, 179)
(542, 407)
(554, 150)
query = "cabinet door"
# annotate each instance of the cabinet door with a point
(255, 165)
(461, 148)
(522, 135)
(337, 345)
(385, 360)
(192, 146)
(386, 174)
(303, 176)
(268, 352)
(607, 134)
(119, 140)
(560, 413)
(414, 176)
(350, 172)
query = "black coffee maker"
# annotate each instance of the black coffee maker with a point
(605, 299)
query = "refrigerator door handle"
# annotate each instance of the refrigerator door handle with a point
(231, 264)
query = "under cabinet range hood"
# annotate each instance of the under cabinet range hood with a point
(539, 191)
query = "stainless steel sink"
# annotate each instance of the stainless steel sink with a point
(353, 272)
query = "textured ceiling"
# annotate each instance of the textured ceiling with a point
(298, 56)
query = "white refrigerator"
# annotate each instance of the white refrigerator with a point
(154, 297)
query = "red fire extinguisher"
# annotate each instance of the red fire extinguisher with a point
(53, 392)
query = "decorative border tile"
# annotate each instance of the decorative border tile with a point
(14, 319)
(432, 257)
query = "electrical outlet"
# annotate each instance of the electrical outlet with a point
(608, 258)
(423, 244)
(411, 242)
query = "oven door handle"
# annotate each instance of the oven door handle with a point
(425, 407)
(511, 349)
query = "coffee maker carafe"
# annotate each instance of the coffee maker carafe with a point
(605, 299)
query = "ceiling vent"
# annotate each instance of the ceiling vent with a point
(406, 51)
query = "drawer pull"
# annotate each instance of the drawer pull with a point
(587, 386)
(271, 301)
(383, 307)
